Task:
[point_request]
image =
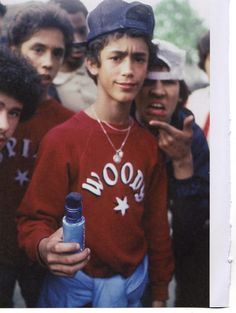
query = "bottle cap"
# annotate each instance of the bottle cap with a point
(73, 207)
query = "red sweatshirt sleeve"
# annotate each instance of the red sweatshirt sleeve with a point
(42, 207)
(161, 264)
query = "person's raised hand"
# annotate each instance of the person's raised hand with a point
(176, 144)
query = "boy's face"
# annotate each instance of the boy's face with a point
(123, 68)
(157, 100)
(45, 51)
(10, 111)
(78, 21)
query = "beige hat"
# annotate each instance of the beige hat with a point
(173, 57)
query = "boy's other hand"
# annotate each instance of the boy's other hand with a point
(175, 142)
(177, 145)
(60, 257)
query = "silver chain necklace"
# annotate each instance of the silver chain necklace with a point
(117, 157)
(117, 129)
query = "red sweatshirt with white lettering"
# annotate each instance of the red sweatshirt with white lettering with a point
(125, 204)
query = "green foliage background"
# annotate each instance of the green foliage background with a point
(177, 22)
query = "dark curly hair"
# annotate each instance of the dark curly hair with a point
(33, 18)
(19, 80)
(71, 6)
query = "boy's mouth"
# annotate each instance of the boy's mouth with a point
(46, 78)
(156, 109)
(157, 105)
(126, 85)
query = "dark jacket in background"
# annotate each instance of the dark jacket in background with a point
(189, 207)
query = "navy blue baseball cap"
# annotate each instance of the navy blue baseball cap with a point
(113, 15)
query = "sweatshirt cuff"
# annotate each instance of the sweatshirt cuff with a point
(38, 256)
(160, 293)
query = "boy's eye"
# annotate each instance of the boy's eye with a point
(82, 31)
(148, 82)
(15, 114)
(140, 59)
(116, 58)
(169, 82)
(58, 53)
(38, 49)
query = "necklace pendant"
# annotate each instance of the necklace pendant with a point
(118, 156)
(120, 153)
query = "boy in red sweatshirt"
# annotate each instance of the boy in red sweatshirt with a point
(116, 166)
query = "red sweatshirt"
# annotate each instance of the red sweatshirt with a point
(124, 204)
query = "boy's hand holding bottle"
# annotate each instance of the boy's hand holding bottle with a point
(59, 256)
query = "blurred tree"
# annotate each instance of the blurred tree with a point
(179, 23)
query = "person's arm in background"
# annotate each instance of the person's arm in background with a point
(189, 193)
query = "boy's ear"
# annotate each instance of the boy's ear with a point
(15, 49)
(92, 67)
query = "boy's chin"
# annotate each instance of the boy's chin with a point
(46, 84)
(126, 99)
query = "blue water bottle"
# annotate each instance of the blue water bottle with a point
(74, 222)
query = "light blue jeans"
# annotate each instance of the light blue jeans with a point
(112, 292)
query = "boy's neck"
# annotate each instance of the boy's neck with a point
(116, 113)
(45, 95)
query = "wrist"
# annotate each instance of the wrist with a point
(183, 168)
(40, 252)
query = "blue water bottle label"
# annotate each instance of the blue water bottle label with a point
(74, 232)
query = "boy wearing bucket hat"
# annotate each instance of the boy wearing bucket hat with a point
(116, 166)
(160, 108)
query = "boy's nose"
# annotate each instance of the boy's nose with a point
(158, 88)
(127, 68)
(78, 38)
(4, 124)
(47, 60)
